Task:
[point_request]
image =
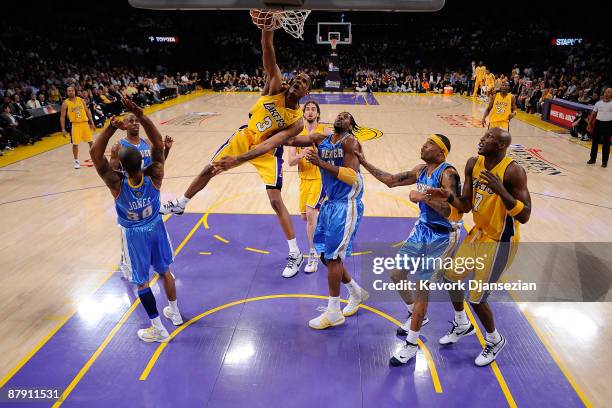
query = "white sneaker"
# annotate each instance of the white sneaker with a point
(294, 263)
(326, 319)
(176, 318)
(403, 355)
(77, 165)
(490, 351)
(313, 264)
(354, 302)
(171, 207)
(152, 334)
(403, 330)
(457, 331)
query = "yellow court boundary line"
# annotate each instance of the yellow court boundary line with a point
(259, 251)
(494, 366)
(147, 370)
(220, 238)
(114, 331)
(56, 139)
(48, 337)
(551, 352)
(205, 253)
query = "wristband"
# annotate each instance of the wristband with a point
(517, 209)
(347, 175)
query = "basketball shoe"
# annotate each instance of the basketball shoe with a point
(403, 355)
(326, 319)
(152, 334)
(294, 263)
(354, 302)
(313, 263)
(456, 332)
(490, 352)
(176, 318)
(172, 207)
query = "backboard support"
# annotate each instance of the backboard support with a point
(330, 5)
(328, 30)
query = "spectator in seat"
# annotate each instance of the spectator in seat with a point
(10, 124)
(42, 100)
(33, 102)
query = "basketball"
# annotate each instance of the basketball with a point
(264, 19)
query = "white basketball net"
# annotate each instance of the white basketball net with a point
(292, 21)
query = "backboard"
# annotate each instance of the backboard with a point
(346, 5)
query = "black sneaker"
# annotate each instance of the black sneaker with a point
(591, 161)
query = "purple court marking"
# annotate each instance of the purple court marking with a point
(341, 99)
(262, 353)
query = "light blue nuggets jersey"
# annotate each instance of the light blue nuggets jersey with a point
(144, 149)
(428, 216)
(335, 189)
(137, 206)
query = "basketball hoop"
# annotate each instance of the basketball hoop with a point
(292, 21)
(334, 43)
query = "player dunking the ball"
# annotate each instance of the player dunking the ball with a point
(495, 190)
(276, 115)
(136, 193)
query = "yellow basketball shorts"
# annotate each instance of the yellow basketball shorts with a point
(311, 194)
(487, 258)
(503, 124)
(269, 166)
(80, 132)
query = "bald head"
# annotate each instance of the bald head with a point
(494, 142)
(502, 136)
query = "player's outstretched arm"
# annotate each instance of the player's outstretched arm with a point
(278, 139)
(306, 141)
(512, 190)
(274, 77)
(111, 178)
(390, 180)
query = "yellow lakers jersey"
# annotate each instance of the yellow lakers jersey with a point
(480, 72)
(76, 110)
(269, 115)
(502, 107)
(490, 213)
(307, 170)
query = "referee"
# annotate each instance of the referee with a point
(600, 128)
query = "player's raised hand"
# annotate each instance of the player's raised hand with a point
(117, 123)
(226, 163)
(492, 181)
(168, 142)
(132, 107)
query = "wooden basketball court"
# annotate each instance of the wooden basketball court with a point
(60, 247)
